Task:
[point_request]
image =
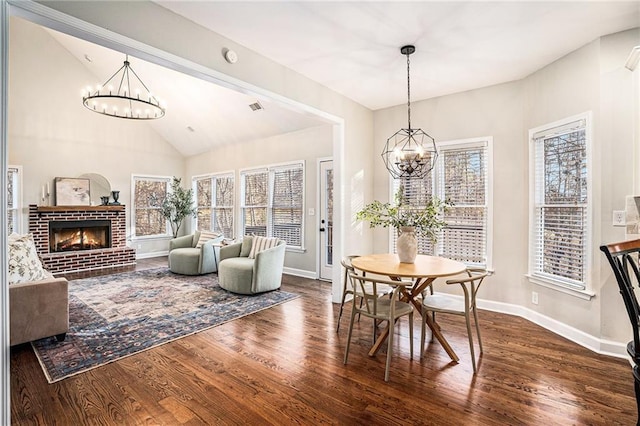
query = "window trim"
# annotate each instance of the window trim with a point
(546, 130)
(270, 169)
(455, 144)
(168, 234)
(195, 178)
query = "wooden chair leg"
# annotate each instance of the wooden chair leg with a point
(389, 350)
(346, 350)
(473, 355)
(475, 318)
(411, 334)
(423, 333)
(344, 296)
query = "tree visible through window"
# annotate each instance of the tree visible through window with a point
(561, 203)
(149, 194)
(273, 201)
(215, 213)
(461, 177)
(254, 211)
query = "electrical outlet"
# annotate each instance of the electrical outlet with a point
(534, 297)
(619, 218)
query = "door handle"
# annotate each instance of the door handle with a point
(321, 229)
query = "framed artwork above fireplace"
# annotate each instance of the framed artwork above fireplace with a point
(72, 192)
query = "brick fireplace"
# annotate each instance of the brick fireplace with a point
(81, 256)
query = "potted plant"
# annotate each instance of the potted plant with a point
(177, 205)
(406, 219)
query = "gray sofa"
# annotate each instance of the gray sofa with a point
(187, 259)
(38, 309)
(239, 274)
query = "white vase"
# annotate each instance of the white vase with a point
(407, 244)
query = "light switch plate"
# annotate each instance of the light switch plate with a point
(312, 212)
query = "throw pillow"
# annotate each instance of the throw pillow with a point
(206, 236)
(245, 249)
(261, 244)
(24, 263)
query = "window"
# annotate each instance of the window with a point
(215, 199)
(14, 199)
(287, 193)
(255, 190)
(461, 176)
(273, 202)
(559, 234)
(148, 195)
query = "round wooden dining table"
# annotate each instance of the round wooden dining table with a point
(423, 271)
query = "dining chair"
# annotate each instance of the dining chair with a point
(380, 309)
(623, 258)
(349, 289)
(466, 306)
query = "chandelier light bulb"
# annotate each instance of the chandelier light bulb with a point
(120, 96)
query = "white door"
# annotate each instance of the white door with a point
(326, 219)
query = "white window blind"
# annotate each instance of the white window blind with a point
(286, 204)
(255, 196)
(461, 176)
(559, 234)
(215, 201)
(273, 202)
(463, 181)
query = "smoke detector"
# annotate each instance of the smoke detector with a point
(230, 56)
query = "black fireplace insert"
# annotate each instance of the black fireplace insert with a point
(74, 235)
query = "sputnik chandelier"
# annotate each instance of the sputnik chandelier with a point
(409, 153)
(124, 95)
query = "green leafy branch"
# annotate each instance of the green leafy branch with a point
(425, 219)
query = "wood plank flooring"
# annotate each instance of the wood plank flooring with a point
(284, 366)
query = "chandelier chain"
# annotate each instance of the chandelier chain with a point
(408, 94)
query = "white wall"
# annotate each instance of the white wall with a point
(307, 145)
(593, 79)
(51, 134)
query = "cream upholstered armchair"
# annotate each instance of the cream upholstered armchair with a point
(194, 254)
(252, 266)
(38, 302)
(38, 309)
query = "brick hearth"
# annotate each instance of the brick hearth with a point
(85, 260)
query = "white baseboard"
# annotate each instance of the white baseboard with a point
(152, 254)
(601, 346)
(300, 273)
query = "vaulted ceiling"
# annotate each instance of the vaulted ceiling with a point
(354, 49)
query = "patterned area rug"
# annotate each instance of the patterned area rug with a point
(114, 316)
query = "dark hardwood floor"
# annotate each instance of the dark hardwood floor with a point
(284, 366)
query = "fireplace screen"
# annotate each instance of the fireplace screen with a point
(79, 235)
